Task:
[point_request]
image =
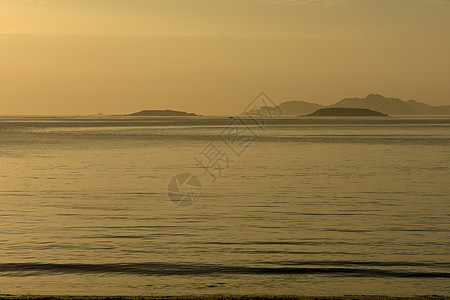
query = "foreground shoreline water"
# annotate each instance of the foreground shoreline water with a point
(312, 207)
(221, 297)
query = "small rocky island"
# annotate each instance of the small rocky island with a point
(346, 112)
(161, 113)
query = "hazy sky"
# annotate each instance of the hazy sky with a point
(214, 56)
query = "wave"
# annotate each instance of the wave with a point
(170, 269)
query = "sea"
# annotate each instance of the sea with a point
(115, 205)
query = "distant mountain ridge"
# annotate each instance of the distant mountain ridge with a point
(299, 107)
(377, 102)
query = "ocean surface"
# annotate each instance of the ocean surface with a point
(304, 206)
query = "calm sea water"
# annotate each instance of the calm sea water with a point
(311, 206)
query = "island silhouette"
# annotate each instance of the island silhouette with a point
(371, 105)
(346, 112)
(160, 113)
(376, 102)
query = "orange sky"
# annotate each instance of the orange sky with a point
(214, 56)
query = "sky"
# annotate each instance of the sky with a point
(60, 57)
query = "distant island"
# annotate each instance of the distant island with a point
(346, 112)
(376, 102)
(161, 113)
